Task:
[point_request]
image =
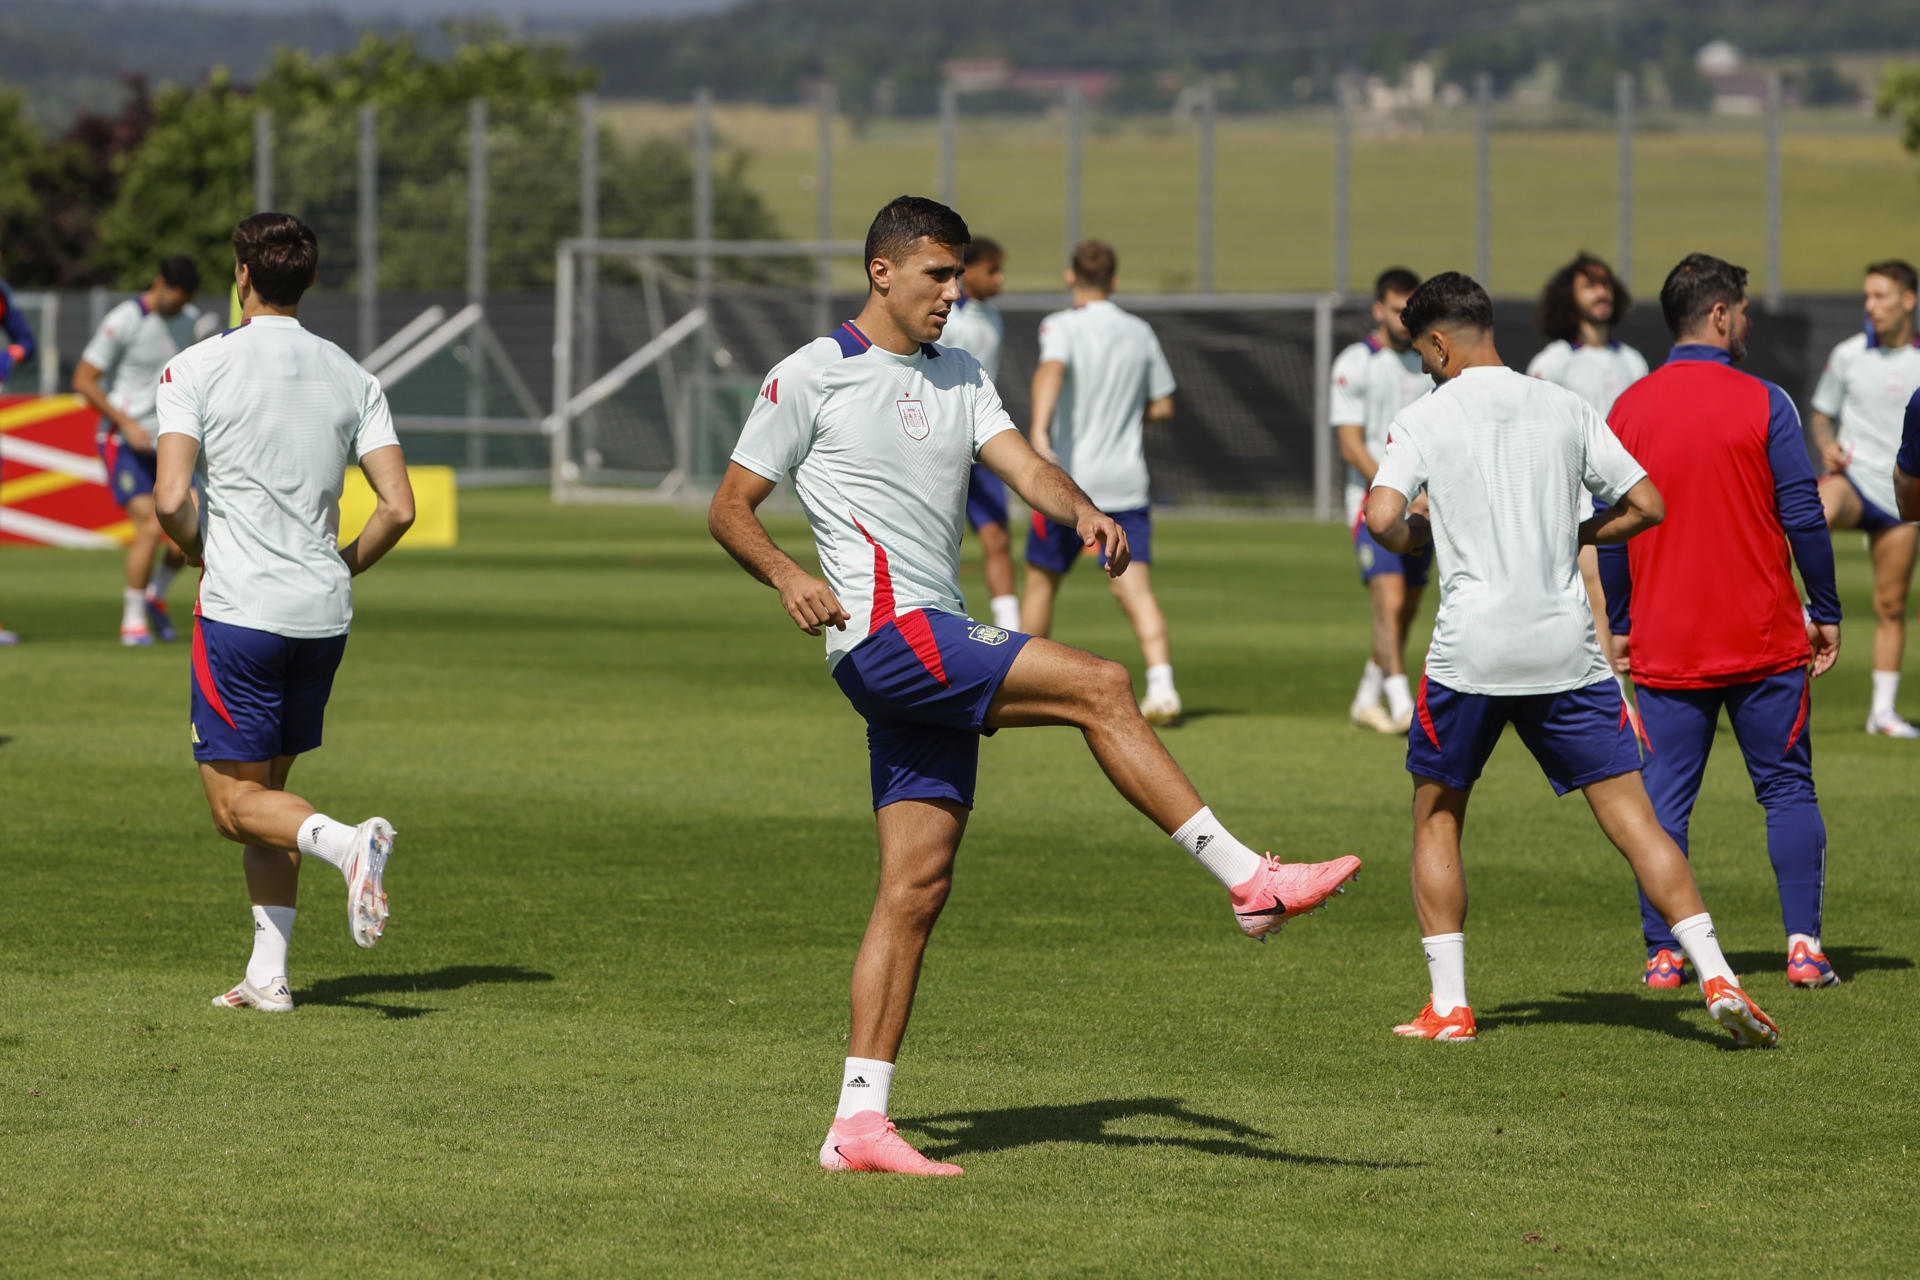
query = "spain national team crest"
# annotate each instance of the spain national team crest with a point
(913, 416)
(988, 635)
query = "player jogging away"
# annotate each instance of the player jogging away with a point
(1705, 608)
(18, 348)
(877, 428)
(119, 375)
(1372, 381)
(1100, 379)
(1506, 462)
(976, 328)
(1857, 410)
(271, 415)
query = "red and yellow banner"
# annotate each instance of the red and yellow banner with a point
(53, 487)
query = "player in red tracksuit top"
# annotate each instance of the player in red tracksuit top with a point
(1705, 606)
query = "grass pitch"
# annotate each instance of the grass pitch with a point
(603, 1034)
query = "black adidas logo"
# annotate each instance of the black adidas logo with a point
(1200, 844)
(858, 1082)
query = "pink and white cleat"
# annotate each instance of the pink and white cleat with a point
(868, 1142)
(272, 998)
(1279, 891)
(366, 881)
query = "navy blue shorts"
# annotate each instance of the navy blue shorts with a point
(1579, 736)
(1056, 547)
(986, 498)
(1375, 559)
(1873, 517)
(129, 472)
(257, 695)
(924, 682)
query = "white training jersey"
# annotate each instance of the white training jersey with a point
(1114, 368)
(880, 448)
(131, 347)
(1596, 374)
(1864, 389)
(279, 413)
(1371, 383)
(1508, 462)
(977, 329)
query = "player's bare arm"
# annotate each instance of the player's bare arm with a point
(1160, 410)
(733, 521)
(1906, 489)
(1639, 510)
(386, 472)
(1047, 381)
(1047, 489)
(1826, 440)
(1394, 524)
(1354, 451)
(173, 497)
(87, 385)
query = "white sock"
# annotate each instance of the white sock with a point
(1159, 678)
(1399, 697)
(1886, 686)
(864, 1086)
(1372, 676)
(272, 931)
(1447, 970)
(328, 840)
(1231, 862)
(1702, 946)
(1811, 939)
(133, 609)
(161, 580)
(1006, 612)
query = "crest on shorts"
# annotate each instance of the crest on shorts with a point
(913, 416)
(1366, 556)
(988, 635)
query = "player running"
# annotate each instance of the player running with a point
(19, 349)
(878, 428)
(1506, 462)
(1101, 378)
(1373, 380)
(1705, 608)
(976, 328)
(119, 375)
(271, 415)
(1857, 410)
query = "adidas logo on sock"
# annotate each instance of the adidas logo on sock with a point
(1200, 844)
(858, 1082)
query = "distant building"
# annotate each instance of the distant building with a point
(1738, 90)
(997, 75)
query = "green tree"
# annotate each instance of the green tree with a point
(22, 154)
(1899, 97)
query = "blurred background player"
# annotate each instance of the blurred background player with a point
(1705, 607)
(1857, 411)
(272, 415)
(1373, 380)
(1506, 464)
(1101, 377)
(976, 328)
(1906, 466)
(119, 375)
(19, 349)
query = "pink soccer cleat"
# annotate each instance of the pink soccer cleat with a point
(1735, 1010)
(868, 1142)
(1279, 891)
(1665, 970)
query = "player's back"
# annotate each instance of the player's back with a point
(1114, 367)
(279, 413)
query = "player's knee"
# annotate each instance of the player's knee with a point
(1890, 605)
(223, 819)
(1109, 685)
(917, 904)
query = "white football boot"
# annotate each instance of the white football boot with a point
(366, 892)
(272, 998)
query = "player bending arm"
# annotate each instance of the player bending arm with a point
(1047, 381)
(1160, 410)
(1354, 451)
(88, 386)
(732, 521)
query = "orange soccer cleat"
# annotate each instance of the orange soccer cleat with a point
(1733, 1009)
(1428, 1025)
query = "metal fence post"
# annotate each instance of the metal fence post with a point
(1483, 179)
(476, 273)
(1203, 216)
(262, 160)
(1342, 176)
(369, 230)
(1623, 111)
(49, 352)
(1075, 124)
(823, 269)
(1775, 286)
(589, 267)
(1323, 407)
(560, 429)
(949, 140)
(703, 289)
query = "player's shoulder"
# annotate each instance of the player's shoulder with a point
(1848, 348)
(1353, 354)
(1549, 358)
(1630, 356)
(122, 315)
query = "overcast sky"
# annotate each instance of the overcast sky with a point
(413, 9)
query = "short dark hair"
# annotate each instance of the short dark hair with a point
(1450, 299)
(907, 220)
(1094, 263)
(1898, 270)
(1394, 280)
(1557, 317)
(181, 272)
(981, 249)
(1696, 285)
(280, 253)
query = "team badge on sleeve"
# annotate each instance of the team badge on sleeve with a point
(913, 416)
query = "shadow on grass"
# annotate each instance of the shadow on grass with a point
(1676, 1018)
(1846, 961)
(960, 1133)
(1190, 714)
(351, 992)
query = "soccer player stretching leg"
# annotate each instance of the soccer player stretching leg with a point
(1506, 462)
(1373, 380)
(976, 328)
(1857, 411)
(272, 415)
(877, 428)
(1101, 377)
(1707, 615)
